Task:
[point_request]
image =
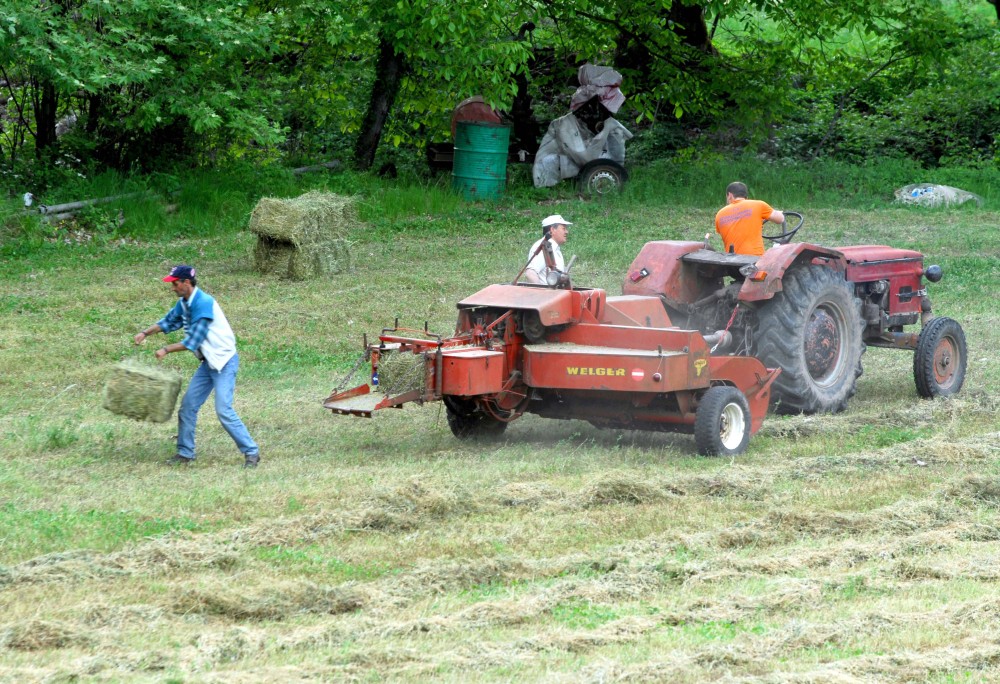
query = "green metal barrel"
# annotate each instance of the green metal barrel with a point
(480, 167)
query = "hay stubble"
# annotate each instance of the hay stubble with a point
(859, 547)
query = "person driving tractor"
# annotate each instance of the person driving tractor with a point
(740, 222)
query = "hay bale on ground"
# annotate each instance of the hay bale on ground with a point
(142, 392)
(304, 237)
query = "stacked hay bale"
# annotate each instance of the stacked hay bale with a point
(303, 237)
(141, 392)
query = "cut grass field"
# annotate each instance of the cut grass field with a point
(856, 547)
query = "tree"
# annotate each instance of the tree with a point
(136, 70)
(437, 54)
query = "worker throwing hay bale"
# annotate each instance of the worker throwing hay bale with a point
(141, 392)
(304, 237)
(210, 338)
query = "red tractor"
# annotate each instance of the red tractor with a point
(564, 352)
(809, 310)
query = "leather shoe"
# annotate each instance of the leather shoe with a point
(178, 460)
(252, 461)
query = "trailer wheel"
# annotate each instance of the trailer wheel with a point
(940, 358)
(468, 421)
(812, 331)
(722, 422)
(601, 177)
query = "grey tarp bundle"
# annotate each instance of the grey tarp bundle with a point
(568, 144)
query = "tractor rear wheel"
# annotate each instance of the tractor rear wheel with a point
(940, 358)
(812, 331)
(722, 422)
(468, 421)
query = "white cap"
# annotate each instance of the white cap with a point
(553, 220)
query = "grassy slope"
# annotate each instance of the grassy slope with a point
(855, 547)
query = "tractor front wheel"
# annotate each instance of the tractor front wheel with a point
(940, 358)
(469, 421)
(722, 422)
(812, 331)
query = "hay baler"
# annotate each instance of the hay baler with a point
(568, 353)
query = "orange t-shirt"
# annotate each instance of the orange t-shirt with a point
(740, 224)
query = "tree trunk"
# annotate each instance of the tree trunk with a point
(95, 105)
(388, 76)
(46, 104)
(689, 24)
(692, 29)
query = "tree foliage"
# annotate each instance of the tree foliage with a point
(306, 78)
(136, 71)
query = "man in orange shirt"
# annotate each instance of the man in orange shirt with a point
(740, 222)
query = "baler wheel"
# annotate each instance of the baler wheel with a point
(534, 329)
(468, 421)
(940, 358)
(811, 329)
(722, 422)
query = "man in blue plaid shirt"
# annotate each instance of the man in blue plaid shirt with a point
(209, 337)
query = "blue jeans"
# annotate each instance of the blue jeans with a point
(202, 383)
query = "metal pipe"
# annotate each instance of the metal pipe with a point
(720, 339)
(316, 167)
(73, 206)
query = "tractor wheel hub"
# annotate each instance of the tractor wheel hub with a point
(822, 344)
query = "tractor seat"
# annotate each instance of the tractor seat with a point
(709, 257)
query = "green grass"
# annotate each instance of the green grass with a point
(858, 545)
(54, 530)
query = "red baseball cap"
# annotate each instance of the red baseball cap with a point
(179, 272)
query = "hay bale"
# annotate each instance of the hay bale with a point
(141, 392)
(304, 237)
(401, 372)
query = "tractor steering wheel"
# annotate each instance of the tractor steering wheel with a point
(785, 237)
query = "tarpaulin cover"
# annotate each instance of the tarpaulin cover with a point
(568, 144)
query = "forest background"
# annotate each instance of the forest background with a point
(148, 88)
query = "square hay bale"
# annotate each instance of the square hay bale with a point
(304, 237)
(400, 372)
(141, 392)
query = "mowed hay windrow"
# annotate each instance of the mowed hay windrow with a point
(271, 602)
(141, 392)
(40, 635)
(304, 237)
